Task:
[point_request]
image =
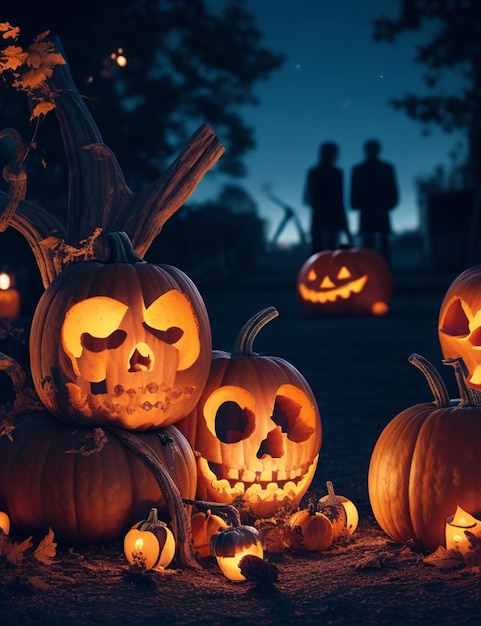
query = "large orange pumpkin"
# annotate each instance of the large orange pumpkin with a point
(83, 482)
(124, 342)
(459, 324)
(345, 281)
(426, 463)
(256, 430)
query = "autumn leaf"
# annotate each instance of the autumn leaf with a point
(42, 108)
(46, 549)
(38, 584)
(33, 79)
(445, 559)
(15, 552)
(12, 58)
(9, 31)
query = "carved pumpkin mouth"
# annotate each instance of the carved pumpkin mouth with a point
(266, 485)
(141, 359)
(331, 295)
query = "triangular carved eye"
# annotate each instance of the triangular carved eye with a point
(344, 273)
(456, 322)
(312, 275)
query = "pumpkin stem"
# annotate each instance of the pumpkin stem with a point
(330, 490)
(435, 382)
(179, 521)
(231, 513)
(121, 250)
(245, 338)
(468, 396)
(152, 517)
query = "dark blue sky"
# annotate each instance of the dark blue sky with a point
(335, 85)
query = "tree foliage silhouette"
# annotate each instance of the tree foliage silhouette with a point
(452, 48)
(188, 62)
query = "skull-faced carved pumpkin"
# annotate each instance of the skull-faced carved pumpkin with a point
(459, 326)
(125, 342)
(256, 430)
(345, 281)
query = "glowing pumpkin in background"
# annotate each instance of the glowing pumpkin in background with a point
(345, 281)
(124, 342)
(256, 430)
(426, 463)
(459, 326)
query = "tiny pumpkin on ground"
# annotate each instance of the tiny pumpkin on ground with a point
(231, 545)
(203, 527)
(311, 531)
(340, 510)
(149, 543)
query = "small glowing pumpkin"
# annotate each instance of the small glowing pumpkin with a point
(203, 527)
(231, 545)
(125, 342)
(150, 543)
(345, 281)
(340, 510)
(313, 531)
(4, 522)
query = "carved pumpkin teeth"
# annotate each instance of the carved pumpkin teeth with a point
(249, 478)
(331, 295)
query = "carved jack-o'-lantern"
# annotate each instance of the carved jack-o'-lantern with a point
(256, 430)
(460, 323)
(124, 342)
(345, 281)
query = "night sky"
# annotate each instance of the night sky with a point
(335, 86)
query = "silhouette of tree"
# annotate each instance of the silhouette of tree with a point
(187, 62)
(453, 47)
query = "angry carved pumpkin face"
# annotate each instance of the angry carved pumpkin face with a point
(127, 344)
(459, 326)
(345, 281)
(256, 433)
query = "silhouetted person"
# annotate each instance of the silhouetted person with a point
(324, 193)
(374, 193)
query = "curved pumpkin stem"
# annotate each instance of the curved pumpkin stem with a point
(468, 396)
(121, 250)
(245, 338)
(231, 513)
(178, 516)
(435, 382)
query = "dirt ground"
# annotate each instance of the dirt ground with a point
(361, 377)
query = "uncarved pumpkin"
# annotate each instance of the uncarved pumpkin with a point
(256, 430)
(83, 482)
(126, 343)
(426, 463)
(345, 281)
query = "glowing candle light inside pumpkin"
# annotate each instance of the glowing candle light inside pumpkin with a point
(9, 298)
(456, 524)
(139, 545)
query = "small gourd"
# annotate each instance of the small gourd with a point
(313, 531)
(340, 510)
(149, 543)
(231, 545)
(203, 527)
(4, 522)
